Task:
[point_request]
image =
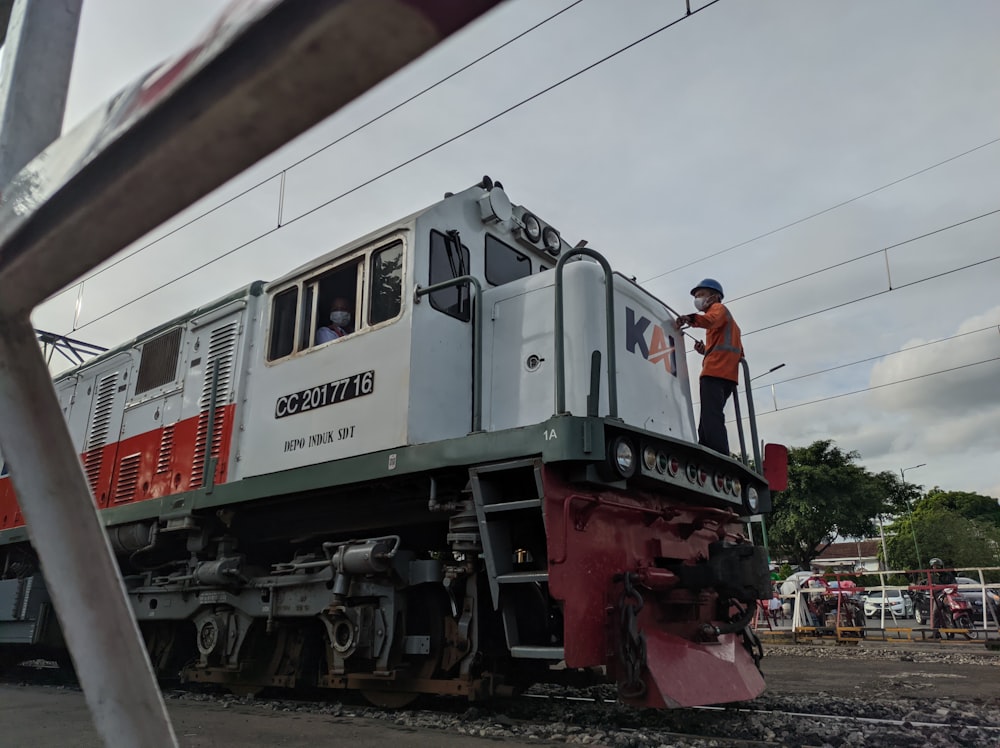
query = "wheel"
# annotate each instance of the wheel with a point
(426, 611)
(965, 622)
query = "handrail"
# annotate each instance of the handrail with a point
(609, 316)
(753, 416)
(477, 341)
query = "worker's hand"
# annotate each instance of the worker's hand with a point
(700, 347)
(683, 321)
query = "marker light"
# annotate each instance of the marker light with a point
(649, 458)
(673, 466)
(719, 481)
(702, 476)
(737, 487)
(661, 462)
(691, 471)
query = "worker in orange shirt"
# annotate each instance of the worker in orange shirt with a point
(720, 371)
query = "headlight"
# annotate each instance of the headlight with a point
(649, 458)
(752, 499)
(551, 240)
(532, 227)
(621, 455)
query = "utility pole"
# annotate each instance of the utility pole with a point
(909, 509)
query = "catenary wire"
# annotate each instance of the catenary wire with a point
(867, 254)
(875, 358)
(332, 143)
(821, 212)
(876, 387)
(864, 256)
(399, 166)
(828, 369)
(873, 295)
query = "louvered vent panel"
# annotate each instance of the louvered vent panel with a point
(221, 348)
(166, 449)
(128, 476)
(158, 365)
(100, 424)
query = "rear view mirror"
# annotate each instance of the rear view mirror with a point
(776, 466)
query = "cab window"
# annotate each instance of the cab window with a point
(335, 312)
(504, 263)
(386, 289)
(337, 302)
(283, 310)
(449, 261)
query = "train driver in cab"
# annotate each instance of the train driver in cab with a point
(340, 321)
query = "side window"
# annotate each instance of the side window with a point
(447, 262)
(503, 263)
(337, 302)
(306, 325)
(386, 290)
(283, 324)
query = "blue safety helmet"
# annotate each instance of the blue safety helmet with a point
(712, 285)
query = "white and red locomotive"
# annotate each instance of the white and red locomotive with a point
(491, 472)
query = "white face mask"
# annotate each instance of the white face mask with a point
(340, 319)
(701, 303)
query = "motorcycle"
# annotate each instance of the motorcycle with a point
(834, 600)
(951, 611)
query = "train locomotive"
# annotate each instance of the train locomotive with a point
(487, 478)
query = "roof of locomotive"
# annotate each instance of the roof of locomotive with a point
(253, 289)
(400, 224)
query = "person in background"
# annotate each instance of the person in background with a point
(340, 321)
(774, 608)
(720, 370)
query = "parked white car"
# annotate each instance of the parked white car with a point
(900, 604)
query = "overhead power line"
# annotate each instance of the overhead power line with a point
(875, 358)
(334, 142)
(865, 255)
(828, 369)
(399, 166)
(873, 295)
(821, 212)
(878, 386)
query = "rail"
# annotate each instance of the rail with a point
(477, 342)
(609, 319)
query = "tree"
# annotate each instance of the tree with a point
(828, 495)
(972, 506)
(961, 528)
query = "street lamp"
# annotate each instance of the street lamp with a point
(774, 397)
(909, 509)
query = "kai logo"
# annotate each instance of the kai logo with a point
(659, 349)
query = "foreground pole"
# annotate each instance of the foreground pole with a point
(77, 560)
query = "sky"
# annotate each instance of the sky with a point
(814, 157)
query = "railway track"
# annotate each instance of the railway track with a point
(591, 716)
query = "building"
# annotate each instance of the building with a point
(851, 555)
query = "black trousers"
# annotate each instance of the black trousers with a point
(712, 427)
